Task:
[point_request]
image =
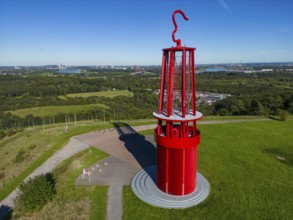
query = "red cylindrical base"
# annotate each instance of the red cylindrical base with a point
(176, 169)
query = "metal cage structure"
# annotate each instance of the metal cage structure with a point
(176, 135)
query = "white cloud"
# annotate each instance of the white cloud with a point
(224, 5)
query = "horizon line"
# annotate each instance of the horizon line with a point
(82, 65)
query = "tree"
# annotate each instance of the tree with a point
(257, 108)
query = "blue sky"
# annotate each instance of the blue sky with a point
(128, 32)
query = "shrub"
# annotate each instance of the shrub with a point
(33, 146)
(283, 115)
(2, 175)
(34, 193)
(20, 156)
(10, 132)
(2, 134)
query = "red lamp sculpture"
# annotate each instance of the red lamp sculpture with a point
(177, 183)
(176, 134)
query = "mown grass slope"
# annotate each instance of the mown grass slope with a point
(249, 166)
(250, 170)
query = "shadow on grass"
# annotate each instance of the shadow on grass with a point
(274, 118)
(5, 212)
(142, 150)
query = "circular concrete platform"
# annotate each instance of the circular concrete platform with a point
(144, 187)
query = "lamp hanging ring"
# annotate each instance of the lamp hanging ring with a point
(177, 41)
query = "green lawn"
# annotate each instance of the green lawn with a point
(247, 179)
(249, 167)
(50, 111)
(108, 94)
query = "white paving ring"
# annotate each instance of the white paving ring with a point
(144, 187)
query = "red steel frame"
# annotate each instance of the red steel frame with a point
(176, 135)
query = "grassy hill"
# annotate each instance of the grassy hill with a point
(248, 165)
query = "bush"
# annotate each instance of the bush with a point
(10, 132)
(2, 134)
(20, 156)
(36, 192)
(33, 146)
(283, 115)
(2, 175)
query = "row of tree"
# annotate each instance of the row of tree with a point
(252, 94)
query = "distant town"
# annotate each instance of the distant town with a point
(228, 67)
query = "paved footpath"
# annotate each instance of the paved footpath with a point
(114, 203)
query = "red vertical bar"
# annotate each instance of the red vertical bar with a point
(175, 171)
(167, 154)
(185, 130)
(183, 108)
(194, 69)
(190, 169)
(170, 86)
(183, 171)
(159, 128)
(191, 60)
(194, 131)
(162, 90)
(171, 82)
(168, 128)
(195, 167)
(161, 167)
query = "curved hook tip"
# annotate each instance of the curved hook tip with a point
(177, 41)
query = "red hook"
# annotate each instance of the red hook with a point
(178, 41)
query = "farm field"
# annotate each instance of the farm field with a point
(108, 94)
(249, 167)
(49, 111)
